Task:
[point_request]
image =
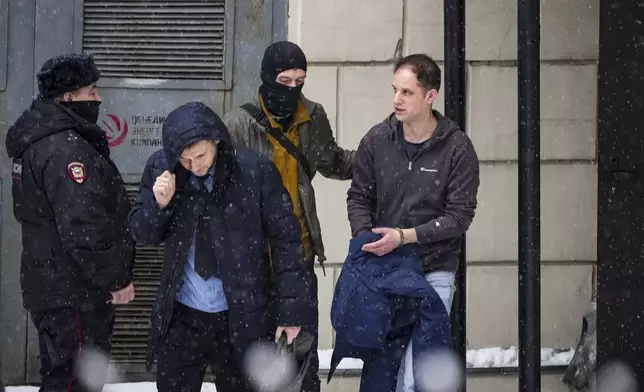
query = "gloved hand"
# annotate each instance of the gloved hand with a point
(299, 351)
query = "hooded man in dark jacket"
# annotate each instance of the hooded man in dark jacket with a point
(415, 180)
(234, 270)
(68, 196)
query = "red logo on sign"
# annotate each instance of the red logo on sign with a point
(116, 130)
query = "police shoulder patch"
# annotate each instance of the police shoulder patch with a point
(77, 172)
(16, 169)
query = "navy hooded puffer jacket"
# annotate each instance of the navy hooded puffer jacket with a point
(252, 213)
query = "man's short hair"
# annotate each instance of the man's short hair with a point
(424, 67)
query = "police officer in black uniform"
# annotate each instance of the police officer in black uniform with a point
(68, 196)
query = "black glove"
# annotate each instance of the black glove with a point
(300, 352)
(298, 349)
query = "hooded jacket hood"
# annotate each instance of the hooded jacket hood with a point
(45, 118)
(188, 124)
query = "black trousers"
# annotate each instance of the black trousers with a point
(194, 341)
(64, 335)
(311, 382)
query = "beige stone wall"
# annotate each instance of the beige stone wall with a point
(350, 45)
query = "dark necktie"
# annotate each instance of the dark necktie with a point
(205, 261)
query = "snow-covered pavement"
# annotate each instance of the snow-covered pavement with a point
(491, 357)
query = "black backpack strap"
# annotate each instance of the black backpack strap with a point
(295, 152)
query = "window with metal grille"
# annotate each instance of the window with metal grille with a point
(130, 339)
(149, 39)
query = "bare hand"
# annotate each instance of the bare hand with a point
(291, 333)
(164, 188)
(390, 240)
(123, 296)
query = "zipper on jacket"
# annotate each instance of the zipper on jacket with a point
(405, 221)
(406, 205)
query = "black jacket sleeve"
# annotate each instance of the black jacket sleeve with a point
(84, 225)
(147, 221)
(460, 204)
(287, 253)
(332, 161)
(361, 196)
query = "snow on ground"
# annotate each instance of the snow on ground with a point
(509, 357)
(130, 387)
(492, 357)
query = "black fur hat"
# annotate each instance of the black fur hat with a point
(66, 73)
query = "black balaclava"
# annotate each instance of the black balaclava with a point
(280, 100)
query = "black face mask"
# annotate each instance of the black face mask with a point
(280, 100)
(89, 110)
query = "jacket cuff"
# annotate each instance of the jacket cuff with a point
(120, 284)
(359, 230)
(156, 214)
(424, 233)
(109, 277)
(289, 312)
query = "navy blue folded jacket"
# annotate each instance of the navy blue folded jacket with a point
(380, 304)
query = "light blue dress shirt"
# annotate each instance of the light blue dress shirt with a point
(195, 292)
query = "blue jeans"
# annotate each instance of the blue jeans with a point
(443, 283)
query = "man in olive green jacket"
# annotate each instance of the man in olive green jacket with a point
(296, 135)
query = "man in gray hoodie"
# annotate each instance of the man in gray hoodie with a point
(415, 181)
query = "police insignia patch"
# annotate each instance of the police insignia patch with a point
(16, 169)
(77, 172)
